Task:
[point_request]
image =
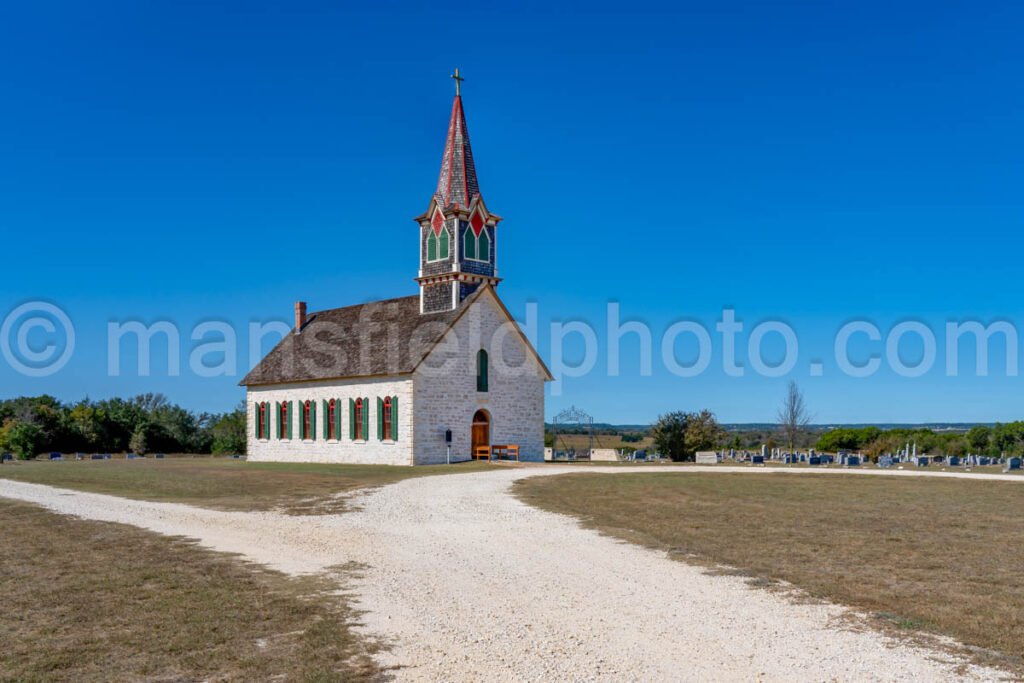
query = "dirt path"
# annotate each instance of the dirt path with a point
(471, 584)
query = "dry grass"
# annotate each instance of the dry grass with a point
(95, 601)
(223, 483)
(940, 556)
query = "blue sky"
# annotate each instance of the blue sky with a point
(807, 162)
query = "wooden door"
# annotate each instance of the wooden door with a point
(481, 431)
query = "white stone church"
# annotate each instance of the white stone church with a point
(402, 381)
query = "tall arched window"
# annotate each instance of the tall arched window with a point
(469, 244)
(357, 418)
(263, 429)
(307, 420)
(283, 426)
(332, 422)
(481, 370)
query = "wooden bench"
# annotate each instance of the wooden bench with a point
(506, 452)
(482, 453)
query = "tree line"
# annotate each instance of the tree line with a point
(979, 440)
(679, 435)
(143, 424)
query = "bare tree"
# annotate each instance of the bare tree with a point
(793, 416)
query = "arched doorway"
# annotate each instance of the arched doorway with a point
(481, 431)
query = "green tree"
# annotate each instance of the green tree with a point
(979, 438)
(702, 432)
(228, 432)
(679, 435)
(21, 438)
(139, 443)
(669, 434)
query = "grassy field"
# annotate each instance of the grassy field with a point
(223, 483)
(94, 601)
(933, 555)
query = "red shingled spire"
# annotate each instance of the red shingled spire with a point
(457, 182)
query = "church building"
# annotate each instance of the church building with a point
(402, 381)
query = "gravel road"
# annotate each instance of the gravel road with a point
(468, 583)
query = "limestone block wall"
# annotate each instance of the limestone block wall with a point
(371, 451)
(446, 396)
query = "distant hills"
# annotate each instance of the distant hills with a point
(769, 426)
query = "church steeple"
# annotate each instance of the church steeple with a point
(458, 235)
(457, 182)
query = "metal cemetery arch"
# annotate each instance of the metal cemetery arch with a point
(575, 417)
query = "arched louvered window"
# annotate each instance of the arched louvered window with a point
(481, 370)
(432, 246)
(483, 247)
(307, 420)
(477, 247)
(442, 244)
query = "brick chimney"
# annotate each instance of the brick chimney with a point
(300, 316)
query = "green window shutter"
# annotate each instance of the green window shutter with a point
(312, 421)
(431, 246)
(444, 243)
(469, 250)
(380, 419)
(326, 419)
(291, 417)
(394, 418)
(277, 412)
(484, 246)
(366, 418)
(256, 422)
(337, 419)
(352, 419)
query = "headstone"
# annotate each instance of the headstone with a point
(707, 458)
(953, 461)
(1012, 464)
(814, 460)
(764, 452)
(757, 460)
(56, 456)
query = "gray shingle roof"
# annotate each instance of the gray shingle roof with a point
(387, 337)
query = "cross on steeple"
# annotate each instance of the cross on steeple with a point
(458, 82)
